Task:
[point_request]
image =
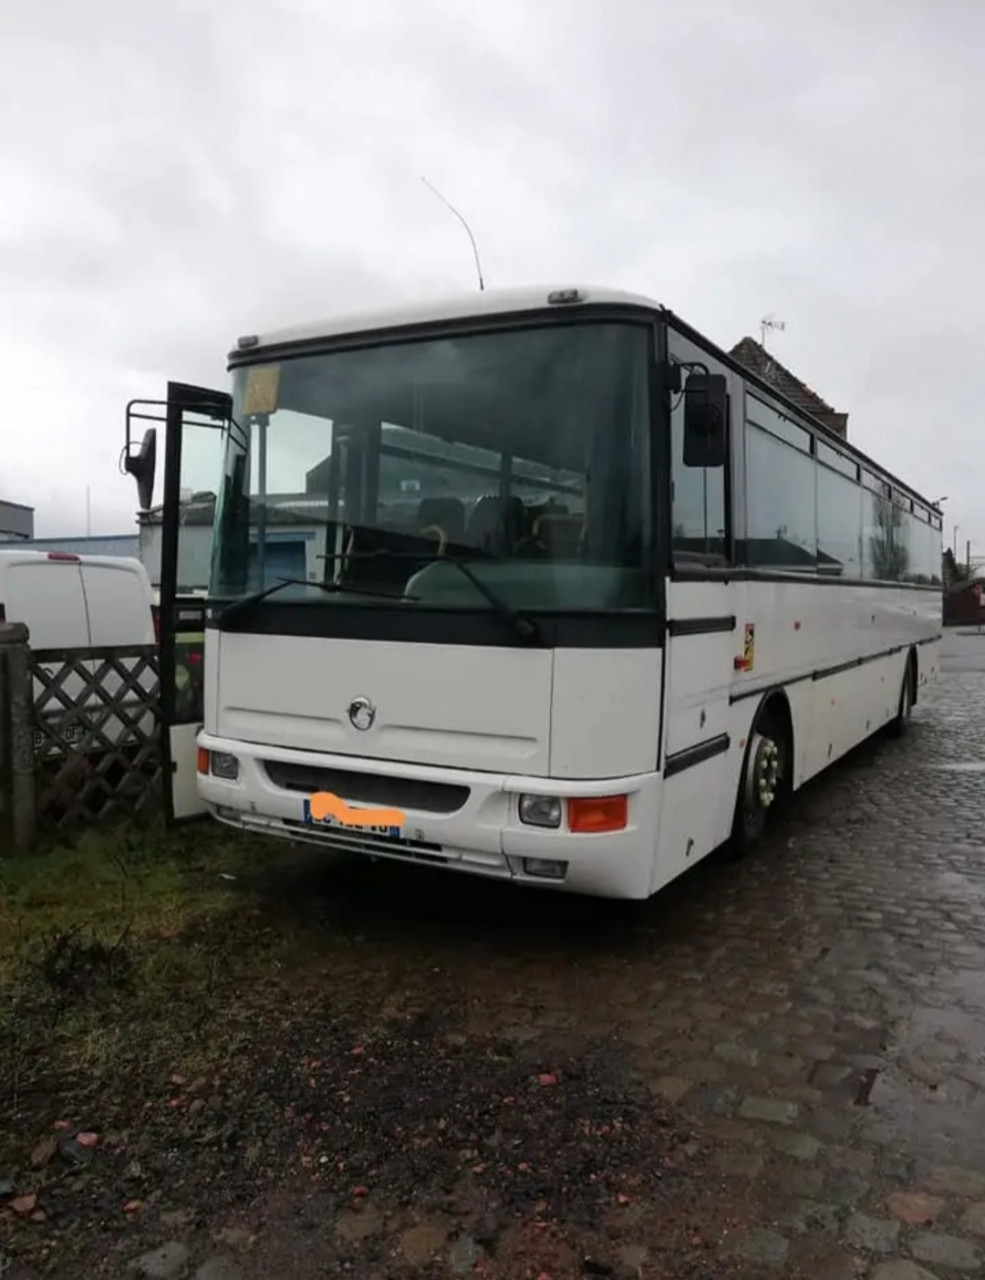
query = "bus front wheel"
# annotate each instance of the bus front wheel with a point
(764, 778)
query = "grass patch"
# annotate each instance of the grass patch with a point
(119, 955)
(141, 879)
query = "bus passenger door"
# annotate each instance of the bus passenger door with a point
(176, 539)
(698, 756)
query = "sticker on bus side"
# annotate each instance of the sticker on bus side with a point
(262, 386)
(749, 646)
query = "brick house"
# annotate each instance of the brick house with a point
(964, 603)
(753, 356)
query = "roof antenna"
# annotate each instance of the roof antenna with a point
(452, 209)
(768, 324)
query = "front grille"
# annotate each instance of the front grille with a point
(482, 862)
(363, 842)
(368, 788)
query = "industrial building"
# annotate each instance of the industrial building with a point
(16, 522)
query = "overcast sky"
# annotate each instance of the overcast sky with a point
(175, 175)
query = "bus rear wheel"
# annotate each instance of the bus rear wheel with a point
(901, 721)
(765, 774)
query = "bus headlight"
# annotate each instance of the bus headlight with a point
(225, 766)
(540, 811)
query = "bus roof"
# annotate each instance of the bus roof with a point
(534, 298)
(461, 306)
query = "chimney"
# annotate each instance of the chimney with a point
(836, 422)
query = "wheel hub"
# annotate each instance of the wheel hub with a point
(764, 770)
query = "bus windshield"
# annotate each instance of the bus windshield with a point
(523, 453)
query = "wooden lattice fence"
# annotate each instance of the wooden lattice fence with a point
(97, 733)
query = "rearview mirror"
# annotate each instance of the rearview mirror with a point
(705, 420)
(141, 465)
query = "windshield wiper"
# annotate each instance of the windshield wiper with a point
(525, 627)
(245, 603)
(522, 626)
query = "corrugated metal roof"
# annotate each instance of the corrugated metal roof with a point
(16, 520)
(124, 544)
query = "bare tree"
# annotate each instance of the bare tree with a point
(888, 551)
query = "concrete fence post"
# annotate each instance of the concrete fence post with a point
(18, 814)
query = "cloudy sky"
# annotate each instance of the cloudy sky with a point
(175, 175)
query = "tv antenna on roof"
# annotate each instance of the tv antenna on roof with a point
(768, 324)
(475, 249)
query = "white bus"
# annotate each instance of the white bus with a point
(574, 598)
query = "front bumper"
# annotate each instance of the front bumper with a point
(483, 834)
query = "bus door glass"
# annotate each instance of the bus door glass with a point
(176, 546)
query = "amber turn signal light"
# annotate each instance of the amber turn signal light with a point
(598, 813)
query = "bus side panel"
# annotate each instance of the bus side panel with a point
(829, 647)
(849, 707)
(698, 806)
(833, 715)
(696, 809)
(698, 795)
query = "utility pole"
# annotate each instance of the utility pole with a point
(967, 556)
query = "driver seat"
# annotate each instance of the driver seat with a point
(495, 525)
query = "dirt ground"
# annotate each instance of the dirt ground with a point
(198, 1052)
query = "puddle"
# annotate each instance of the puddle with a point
(929, 1092)
(954, 882)
(968, 986)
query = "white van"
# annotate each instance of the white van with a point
(70, 601)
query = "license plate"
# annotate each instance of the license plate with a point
(388, 832)
(71, 733)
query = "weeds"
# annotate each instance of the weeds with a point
(77, 963)
(116, 955)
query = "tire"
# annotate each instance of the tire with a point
(904, 710)
(764, 780)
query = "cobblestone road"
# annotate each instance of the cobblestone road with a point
(826, 1002)
(821, 1006)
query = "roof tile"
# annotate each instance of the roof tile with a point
(754, 357)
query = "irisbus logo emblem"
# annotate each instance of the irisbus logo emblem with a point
(362, 713)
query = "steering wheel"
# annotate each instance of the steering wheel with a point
(438, 532)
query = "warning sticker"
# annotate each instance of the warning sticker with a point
(262, 386)
(749, 646)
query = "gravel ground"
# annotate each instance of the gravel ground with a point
(380, 1144)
